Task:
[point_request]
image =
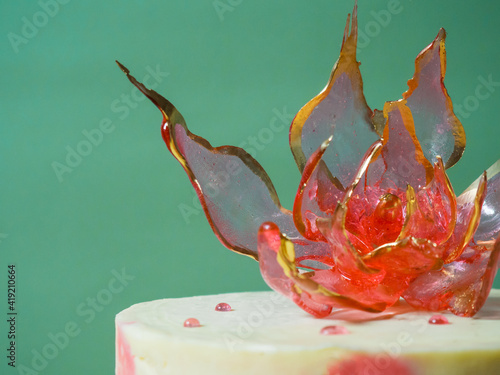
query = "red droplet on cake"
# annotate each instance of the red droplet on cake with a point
(438, 319)
(334, 330)
(191, 322)
(223, 307)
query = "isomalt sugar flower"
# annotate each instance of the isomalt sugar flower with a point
(375, 217)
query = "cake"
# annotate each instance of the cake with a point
(265, 333)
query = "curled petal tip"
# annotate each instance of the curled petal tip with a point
(268, 225)
(441, 34)
(326, 143)
(122, 67)
(439, 163)
(270, 234)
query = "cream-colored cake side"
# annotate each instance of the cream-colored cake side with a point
(267, 334)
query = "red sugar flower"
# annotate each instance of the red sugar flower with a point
(375, 217)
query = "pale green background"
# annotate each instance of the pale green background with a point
(119, 208)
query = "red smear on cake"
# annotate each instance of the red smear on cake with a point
(379, 364)
(124, 358)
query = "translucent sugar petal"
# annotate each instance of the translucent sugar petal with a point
(438, 129)
(379, 292)
(461, 286)
(489, 224)
(277, 264)
(279, 279)
(235, 191)
(339, 110)
(333, 228)
(468, 216)
(433, 216)
(317, 195)
(401, 161)
(269, 239)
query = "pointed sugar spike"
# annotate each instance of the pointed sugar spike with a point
(351, 31)
(122, 67)
(170, 113)
(346, 30)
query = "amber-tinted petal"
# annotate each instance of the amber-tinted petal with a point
(489, 224)
(401, 161)
(434, 213)
(319, 193)
(339, 110)
(316, 190)
(469, 206)
(438, 129)
(333, 228)
(235, 191)
(461, 286)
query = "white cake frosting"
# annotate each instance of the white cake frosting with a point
(266, 333)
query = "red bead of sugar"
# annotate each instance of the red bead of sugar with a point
(223, 307)
(191, 322)
(334, 330)
(438, 319)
